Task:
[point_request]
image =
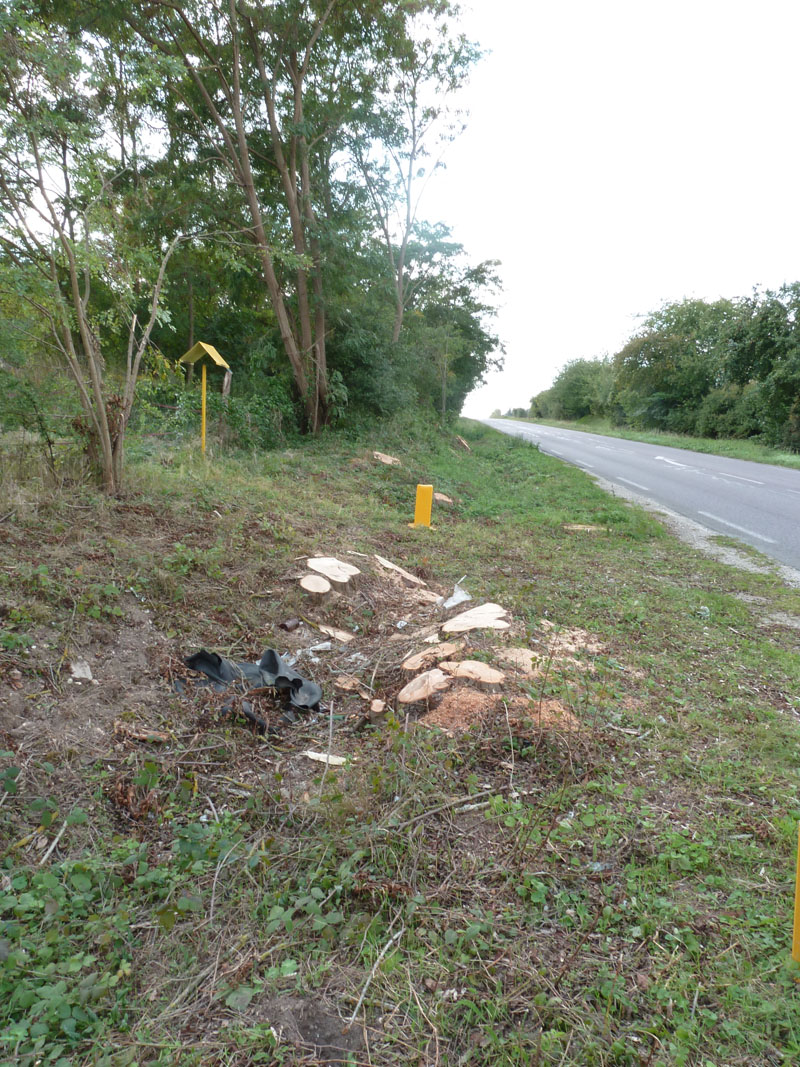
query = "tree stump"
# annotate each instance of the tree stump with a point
(317, 587)
(340, 575)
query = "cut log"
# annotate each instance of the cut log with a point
(428, 656)
(474, 670)
(484, 617)
(339, 574)
(317, 587)
(412, 579)
(423, 687)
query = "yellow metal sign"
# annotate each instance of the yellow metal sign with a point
(196, 353)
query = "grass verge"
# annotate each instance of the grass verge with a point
(599, 871)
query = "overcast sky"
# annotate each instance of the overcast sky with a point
(619, 154)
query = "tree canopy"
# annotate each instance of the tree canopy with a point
(247, 174)
(730, 368)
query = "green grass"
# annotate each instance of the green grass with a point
(718, 446)
(619, 895)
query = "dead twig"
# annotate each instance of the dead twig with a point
(437, 809)
(394, 938)
(53, 844)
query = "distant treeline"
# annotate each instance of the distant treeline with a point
(724, 369)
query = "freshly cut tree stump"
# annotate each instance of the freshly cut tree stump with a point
(490, 680)
(423, 687)
(431, 655)
(340, 575)
(317, 587)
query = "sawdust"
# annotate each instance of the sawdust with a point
(460, 710)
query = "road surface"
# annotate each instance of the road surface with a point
(752, 502)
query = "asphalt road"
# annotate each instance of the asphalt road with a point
(752, 502)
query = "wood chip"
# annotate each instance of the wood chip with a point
(154, 737)
(423, 687)
(325, 757)
(349, 683)
(521, 658)
(428, 656)
(425, 596)
(483, 617)
(342, 636)
(407, 575)
(390, 461)
(476, 671)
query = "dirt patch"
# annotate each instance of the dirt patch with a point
(50, 710)
(781, 618)
(306, 1025)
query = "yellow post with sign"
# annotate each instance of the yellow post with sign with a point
(194, 355)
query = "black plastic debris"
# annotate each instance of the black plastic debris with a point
(271, 672)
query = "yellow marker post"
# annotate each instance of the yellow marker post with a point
(200, 353)
(796, 930)
(203, 410)
(424, 506)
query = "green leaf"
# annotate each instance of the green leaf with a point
(240, 998)
(81, 882)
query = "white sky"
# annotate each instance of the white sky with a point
(621, 153)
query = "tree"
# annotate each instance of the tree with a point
(271, 88)
(664, 371)
(401, 144)
(582, 387)
(65, 225)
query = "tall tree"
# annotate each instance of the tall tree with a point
(271, 86)
(64, 227)
(401, 144)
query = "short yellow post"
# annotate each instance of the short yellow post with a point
(796, 930)
(424, 505)
(203, 410)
